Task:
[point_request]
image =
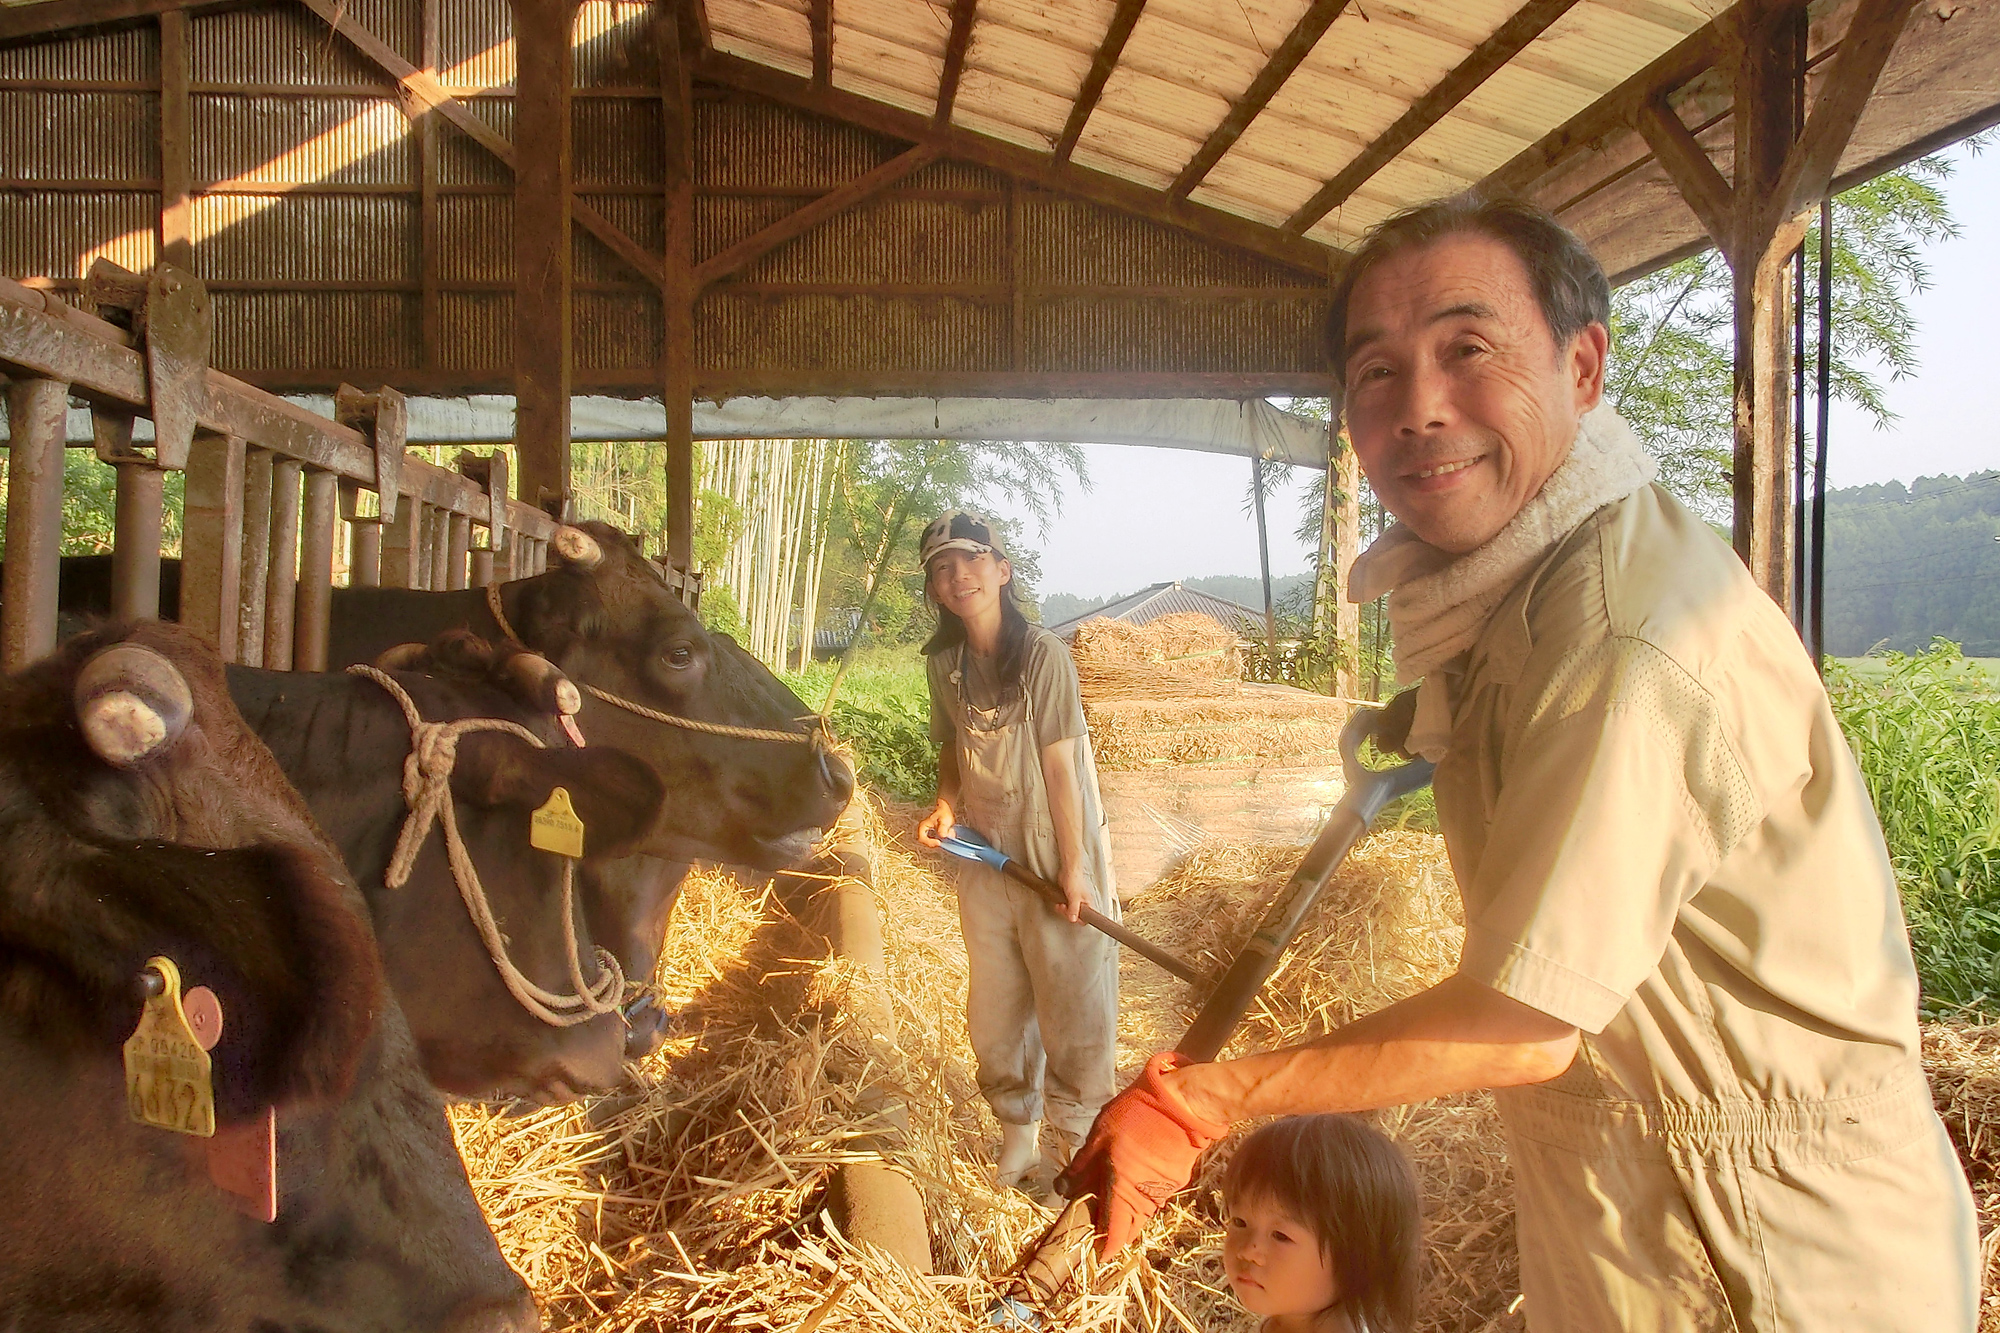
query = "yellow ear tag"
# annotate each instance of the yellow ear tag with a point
(166, 1070)
(555, 827)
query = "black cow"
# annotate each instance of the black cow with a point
(342, 741)
(140, 817)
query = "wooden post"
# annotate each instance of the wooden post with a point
(135, 544)
(176, 143)
(212, 540)
(436, 562)
(257, 472)
(482, 567)
(678, 295)
(320, 519)
(1345, 469)
(458, 542)
(428, 239)
(281, 582)
(542, 247)
(364, 559)
(1264, 557)
(35, 415)
(424, 556)
(402, 549)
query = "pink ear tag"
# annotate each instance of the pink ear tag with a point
(242, 1159)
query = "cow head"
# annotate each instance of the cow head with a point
(140, 817)
(608, 619)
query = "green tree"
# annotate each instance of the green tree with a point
(1671, 331)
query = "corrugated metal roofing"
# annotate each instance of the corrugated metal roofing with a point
(1188, 60)
(1166, 599)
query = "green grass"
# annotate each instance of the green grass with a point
(883, 710)
(1925, 729)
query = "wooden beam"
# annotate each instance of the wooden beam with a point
(677, 295)
(954, 59)
(1022, 163)
(820, 18)
(1513, 36)
(1864, 50)
(542, 250)
(30, 21)
(796, 223)
(420, 91)
(1291, 53)
(429, 241)
(1123, 20)
(176, 144)
(1692, 170)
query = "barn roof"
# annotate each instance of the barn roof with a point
(1166, 599)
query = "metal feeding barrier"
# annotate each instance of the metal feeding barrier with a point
(268, 482)
(1043, 1273)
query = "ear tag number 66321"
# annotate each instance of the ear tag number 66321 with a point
(167, 1082)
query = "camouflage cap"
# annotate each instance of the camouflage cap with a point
(959, 530)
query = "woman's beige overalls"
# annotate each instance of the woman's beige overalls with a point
(1043, 992)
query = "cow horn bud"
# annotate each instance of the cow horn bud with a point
(131, 703)
(540, 684)
(405, 657)
(574, 546)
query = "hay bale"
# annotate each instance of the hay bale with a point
(1963, 1061)
(1181, 656)
(1268, 725)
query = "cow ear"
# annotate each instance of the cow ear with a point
(617, 796)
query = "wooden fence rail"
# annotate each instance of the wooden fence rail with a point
(268, 482)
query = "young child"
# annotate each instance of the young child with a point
(1323, 1229)
(1014, 763)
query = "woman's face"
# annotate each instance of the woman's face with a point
(968, 584)
(1274, 1263)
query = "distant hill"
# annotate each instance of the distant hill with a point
(1905, 564)
(1247, 590)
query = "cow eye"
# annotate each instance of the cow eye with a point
(680, 657)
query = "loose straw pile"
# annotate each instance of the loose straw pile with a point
(698, 1200)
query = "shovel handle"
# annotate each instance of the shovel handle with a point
(1132, 940)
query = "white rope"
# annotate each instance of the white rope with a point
(654, 714)
(427, 791)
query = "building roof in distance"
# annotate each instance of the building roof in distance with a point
(1165, 599)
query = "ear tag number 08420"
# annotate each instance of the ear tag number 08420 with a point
(167, 1081)
(554, 827)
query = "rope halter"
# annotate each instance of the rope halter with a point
(811, 736)
(427, 791)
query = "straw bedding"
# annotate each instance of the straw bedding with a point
(697, 1200)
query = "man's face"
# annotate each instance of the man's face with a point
(1459, 401)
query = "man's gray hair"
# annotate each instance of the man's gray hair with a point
(1569, 283)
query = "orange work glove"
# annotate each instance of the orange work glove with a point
(1141, 1151)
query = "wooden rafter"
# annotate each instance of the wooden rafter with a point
(1864, 50)
(796, 223)
(1291, 53)
(1692, 170)
(1123, 20)
(1513, 36)
(19, 22)
(1020, 163)
(954, 59)
(820, 16)
(420, 92)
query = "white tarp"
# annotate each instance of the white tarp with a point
(1210, 425)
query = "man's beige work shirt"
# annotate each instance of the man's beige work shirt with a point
(1661, 837)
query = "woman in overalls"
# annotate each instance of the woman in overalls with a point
(1014, 764)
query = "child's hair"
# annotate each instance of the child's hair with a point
(950, 631)
(1343, 1179)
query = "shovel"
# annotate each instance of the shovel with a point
(968, 845)
(1043, 1272)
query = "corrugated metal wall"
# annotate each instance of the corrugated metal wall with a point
(309, 221)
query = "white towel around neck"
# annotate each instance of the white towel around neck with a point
(1440, 602)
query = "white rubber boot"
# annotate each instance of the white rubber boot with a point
(1019, 1151)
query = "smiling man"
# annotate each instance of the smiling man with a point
(1686, 972)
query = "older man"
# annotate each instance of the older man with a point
(1685, 970)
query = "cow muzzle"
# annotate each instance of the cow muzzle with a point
(131, 704)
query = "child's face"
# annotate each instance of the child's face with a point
(1274, 1263)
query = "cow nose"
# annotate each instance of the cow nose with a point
(837, 775)
(512, 1313)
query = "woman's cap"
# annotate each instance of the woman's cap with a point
(959, 530)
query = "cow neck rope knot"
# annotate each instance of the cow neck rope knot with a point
(653, 714)
(427, 791)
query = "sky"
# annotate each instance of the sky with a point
(1157, 514)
